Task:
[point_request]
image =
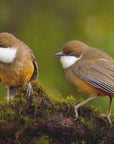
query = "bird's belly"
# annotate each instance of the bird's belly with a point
(84, 86)
(18, 76)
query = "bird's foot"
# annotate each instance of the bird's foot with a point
(7, 98)
(80, 104)
(108, 118)
(29, 89)
(10, 98)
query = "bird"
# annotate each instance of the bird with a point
(18, 65)
(90, 70)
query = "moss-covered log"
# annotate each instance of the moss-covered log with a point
(24, 120)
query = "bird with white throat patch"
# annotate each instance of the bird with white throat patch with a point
(89, 69)
(18, 65)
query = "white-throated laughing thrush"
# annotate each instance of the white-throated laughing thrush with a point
(89, 69)
(18, 65)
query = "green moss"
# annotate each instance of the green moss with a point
(21, 111)
(42, 140)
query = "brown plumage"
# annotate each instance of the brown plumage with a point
(22, 69)
(92, 71)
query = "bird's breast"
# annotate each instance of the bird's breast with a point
(16, 74)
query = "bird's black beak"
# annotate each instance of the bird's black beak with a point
(61, 53)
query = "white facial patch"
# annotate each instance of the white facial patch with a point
(7, 55)
(68, 61)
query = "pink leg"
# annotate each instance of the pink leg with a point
(108, 114)
(80, 104)
(29, 89)
(8, 94)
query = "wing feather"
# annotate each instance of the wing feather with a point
(35, 74)
(99, 74)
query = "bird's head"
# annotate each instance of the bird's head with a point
(7, 40)
(8, 47)
(71, 52)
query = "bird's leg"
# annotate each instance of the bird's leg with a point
(8, 94)
(109, 111)
(29, 89)
(80, 104)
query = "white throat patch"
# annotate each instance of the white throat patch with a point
(7, 55)
(68, 61)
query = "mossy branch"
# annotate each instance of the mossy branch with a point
(22, 120)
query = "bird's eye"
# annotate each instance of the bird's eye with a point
(0, 44)
(71, 53)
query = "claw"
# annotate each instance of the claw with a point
(29, 89)
(79, 105)
(108, 118)
(108, 115)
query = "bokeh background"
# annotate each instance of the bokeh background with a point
(46, 25)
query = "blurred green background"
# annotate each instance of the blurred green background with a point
(46, 25)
